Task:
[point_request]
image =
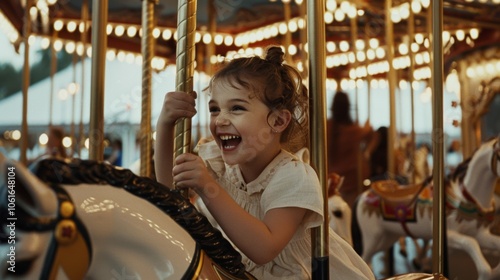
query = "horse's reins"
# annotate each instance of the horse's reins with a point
(69, 248)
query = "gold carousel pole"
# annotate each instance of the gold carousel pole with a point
(287, 38)
(53, 70)
(391, 77)
(73, 92)
(391, 132)
(209, 68)
(468, 146)
(368, 76)
(411, 33)
(354, 37)
(303, 41)
(438, 253)
(99, 44)
(147, 50)
(26, 82)
(83, 39)
(212, 25)
(185, 54)
(317, 87)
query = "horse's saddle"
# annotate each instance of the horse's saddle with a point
(394, 193)
(396, 202)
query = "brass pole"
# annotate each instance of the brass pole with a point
(465, 123)
(209, 68)
(53, 70)
(303, 40)
(212, 24)
(99, 45)
(391, 78)
(26, 82)
(83, 39)
(73, 105)
(317, 87)
(360, 160)
(185, 54)
(147, 50)
(411, 34)
(368, 77)
(287, 14)
(438, 137)
(391, 131)
(354, 38)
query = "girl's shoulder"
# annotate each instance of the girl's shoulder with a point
(294, 184)
(295, 167)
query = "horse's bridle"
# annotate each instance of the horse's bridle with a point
(69, 248)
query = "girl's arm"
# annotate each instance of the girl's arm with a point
(260, 241)
(176, 105)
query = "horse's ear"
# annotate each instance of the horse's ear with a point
(335, 181)
(26, 190)
(341, 182)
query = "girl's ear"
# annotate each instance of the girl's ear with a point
(280, 120)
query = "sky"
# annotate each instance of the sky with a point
(8, 53)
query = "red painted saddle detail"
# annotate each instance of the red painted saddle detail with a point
(397, 202)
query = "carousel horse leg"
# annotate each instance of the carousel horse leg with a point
(388, 263)
(492, 242)
(421, 260)
(423, 257)
(402, 247)
(472, 248)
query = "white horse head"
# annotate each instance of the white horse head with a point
(85, 219)
(339, 212)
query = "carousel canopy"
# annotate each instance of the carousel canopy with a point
(355, 30)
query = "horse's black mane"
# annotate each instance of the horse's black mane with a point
(460, 171)
(169, 201)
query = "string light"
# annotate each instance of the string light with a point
(335, 11)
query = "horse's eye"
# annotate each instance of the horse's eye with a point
(337, 213)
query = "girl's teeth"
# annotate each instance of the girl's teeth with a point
(227, 137)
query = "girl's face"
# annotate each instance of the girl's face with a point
(239, 124)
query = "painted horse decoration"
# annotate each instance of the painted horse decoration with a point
(85, 219)
(387, 211)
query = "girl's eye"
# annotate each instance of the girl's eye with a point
(213, 110)
(238, 108)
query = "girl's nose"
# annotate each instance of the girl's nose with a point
(222, 120)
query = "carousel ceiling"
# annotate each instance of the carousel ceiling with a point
(240, 24)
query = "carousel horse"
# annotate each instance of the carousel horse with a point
(91, 220)
(387, 211)
(339, 212)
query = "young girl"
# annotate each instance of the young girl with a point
(262, 196)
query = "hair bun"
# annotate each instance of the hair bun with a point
(275, 55)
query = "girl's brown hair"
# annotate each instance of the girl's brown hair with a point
(277, 85)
